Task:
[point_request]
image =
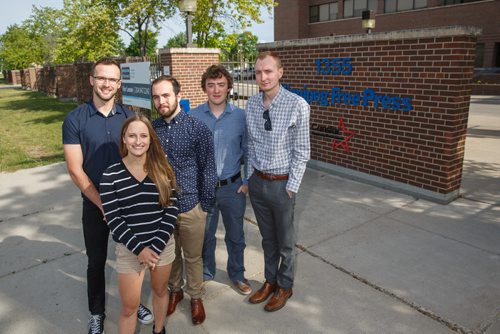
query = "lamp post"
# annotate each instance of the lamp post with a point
(188, 7)
(368, 20)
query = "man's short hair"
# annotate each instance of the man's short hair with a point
(106, 61)
(273, 54)
(216, 72)
(175, 84)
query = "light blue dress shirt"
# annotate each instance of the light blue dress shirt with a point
(230, 138)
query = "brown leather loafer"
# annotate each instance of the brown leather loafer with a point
(197, 311)
(278, 300)
(263, 293)
(174, 298)
(243, 287)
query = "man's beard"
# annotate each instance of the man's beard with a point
(171, 111)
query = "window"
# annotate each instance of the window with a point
(325, 12)
(354, 8)
(479, 55)
(392, 6)
(496, 56)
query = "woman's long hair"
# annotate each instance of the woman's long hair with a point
(156, 165)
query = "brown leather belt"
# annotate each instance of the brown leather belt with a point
(271, 177)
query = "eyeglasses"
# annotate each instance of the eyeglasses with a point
(267, 124)
(101, 80)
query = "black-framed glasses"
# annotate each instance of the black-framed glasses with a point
(101, 80)
(267, 125)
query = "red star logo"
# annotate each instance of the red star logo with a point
(347, 134)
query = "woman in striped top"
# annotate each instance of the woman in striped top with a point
(140, 207)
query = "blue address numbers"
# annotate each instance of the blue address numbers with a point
(334, 66)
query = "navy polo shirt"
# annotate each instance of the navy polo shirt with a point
(98, 135)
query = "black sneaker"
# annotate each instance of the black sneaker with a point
(144, 315)
(96, 324)
(162, 331)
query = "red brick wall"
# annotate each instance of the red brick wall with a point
(187, 65)
(47, 80)
(66, 81)
(422, 148)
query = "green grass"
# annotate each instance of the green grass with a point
(30, 129)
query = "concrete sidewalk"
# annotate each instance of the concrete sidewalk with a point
(370, 260)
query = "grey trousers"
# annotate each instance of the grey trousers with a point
(274, 211)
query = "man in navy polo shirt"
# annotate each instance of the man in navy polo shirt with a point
(91, 134)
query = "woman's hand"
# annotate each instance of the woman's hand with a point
(148, 257)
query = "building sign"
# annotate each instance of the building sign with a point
(136, 84)
(338, 97)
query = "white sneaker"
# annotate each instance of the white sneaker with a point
(144, 315)
(96, 324)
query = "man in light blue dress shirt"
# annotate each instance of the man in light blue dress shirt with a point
(227, 123)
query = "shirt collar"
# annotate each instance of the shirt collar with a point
(275, 100)
(229, 108)
(178, 118)
(94, 111)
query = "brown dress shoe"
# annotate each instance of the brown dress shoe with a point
(243, 287)
(174, 298)
(197, 311)
(263, 293)
(278, 300)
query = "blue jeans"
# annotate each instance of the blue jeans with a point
(274, 211)
(232, 207)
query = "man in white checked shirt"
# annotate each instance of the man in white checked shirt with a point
(278, 150)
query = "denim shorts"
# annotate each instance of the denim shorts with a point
(127, 262)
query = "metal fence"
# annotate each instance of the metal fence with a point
(244, 84)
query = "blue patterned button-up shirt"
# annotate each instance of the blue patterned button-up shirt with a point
(189, 146)
(286, 148)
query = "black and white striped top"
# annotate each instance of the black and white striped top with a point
(132, 211)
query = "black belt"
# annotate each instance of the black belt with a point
(230, 180)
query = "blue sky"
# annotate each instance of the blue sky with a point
(17, 11)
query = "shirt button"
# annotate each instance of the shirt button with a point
(109, 132)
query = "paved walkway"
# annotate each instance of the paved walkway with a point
(371, 260)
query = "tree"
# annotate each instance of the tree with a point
(46, 24)
(138, 18)
(212, 16)
(178, 41)
(238, 47)
(90, 32)
(133, 48)
(19, 49)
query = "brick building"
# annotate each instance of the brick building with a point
(318, 18)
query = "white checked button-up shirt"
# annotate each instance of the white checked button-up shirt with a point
(286, 148)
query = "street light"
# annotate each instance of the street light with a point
(188, 7)
(368, 20)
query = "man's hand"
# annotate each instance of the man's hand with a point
(290, 193)
(243, 189)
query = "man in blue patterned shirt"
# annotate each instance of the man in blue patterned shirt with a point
(189, 146)
(227, 123)
(278, 150)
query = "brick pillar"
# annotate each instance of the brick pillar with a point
(187, 65)
(16, 77)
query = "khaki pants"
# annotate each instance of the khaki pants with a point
(189, 234)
